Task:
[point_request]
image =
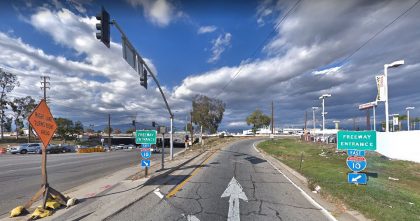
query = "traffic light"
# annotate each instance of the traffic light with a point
(143, 79)
(153, 124)
(103, 27)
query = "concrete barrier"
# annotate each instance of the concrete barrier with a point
(91, 150)
(403, 145)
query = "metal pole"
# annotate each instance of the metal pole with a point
(408, 120)
(171, 145)
(272, 117)
(147, 67)
(109, 131)
(163, 151)
(313, 122)
(374, 117)
(386, 98)
(323, 119)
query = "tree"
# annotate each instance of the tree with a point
(108, 130)
(78, 128)
(207, 112)
(8, 82)
(130, 131)
(8, 124)
(117, 131)
(258, 119)
(22, 108)
(65, 128)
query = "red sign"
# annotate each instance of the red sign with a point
(145, 149)
(356, 158)
(43, 123)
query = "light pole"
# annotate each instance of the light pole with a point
(313, 117)
(408, 116)
(323, 113)
(386, 66)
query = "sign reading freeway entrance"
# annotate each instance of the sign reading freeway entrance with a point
(145, 137)
(356, 140)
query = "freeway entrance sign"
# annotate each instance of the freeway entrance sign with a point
(356, 164)
(357, 178)
(356, 140)
(145, 137)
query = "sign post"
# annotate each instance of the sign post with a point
(356, 143)
(146, 138)
(44, 125)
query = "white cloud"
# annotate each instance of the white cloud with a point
(206, 29)
(327, 71)
(219, 46)
(159, 12)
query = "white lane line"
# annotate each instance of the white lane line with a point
(158, 193)
(309, 198)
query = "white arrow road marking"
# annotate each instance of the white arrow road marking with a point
(355, 179)
(192, 218)
(158, 193)
(234, 192)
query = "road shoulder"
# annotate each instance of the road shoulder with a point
(329, 208)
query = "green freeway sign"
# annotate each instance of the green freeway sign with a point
(145, 137)
(356, 140)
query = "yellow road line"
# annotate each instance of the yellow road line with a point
(182, 184)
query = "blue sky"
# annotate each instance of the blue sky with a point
(197, 47)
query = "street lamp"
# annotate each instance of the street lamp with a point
(323, 113)
(386, 66)
(408, 116)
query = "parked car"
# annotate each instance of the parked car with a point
(154, 148)
(26, 148)
(68, 148)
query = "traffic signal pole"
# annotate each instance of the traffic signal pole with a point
(171, 115)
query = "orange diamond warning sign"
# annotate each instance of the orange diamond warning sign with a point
(43, 123)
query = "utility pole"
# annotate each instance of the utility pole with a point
(272, 117)
(44, 86)
(191, 128)
(109, 131)
(368, 119)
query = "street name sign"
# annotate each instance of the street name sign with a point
(145, 163)
(358, 153)
(356, 140)
(43, 123)
(145, 137)
(357, 178)
(356, 164)
(145, 153)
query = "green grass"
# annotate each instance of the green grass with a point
(381, 199)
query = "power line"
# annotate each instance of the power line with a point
(261, 45)
(346, 59)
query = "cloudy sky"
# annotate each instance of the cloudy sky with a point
(246, 53)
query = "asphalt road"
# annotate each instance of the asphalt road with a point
(265, 193)
(20, 175)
